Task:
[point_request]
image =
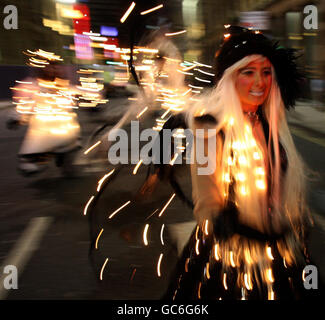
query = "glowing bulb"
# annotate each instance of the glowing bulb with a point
(243, 191)
(260, 184)
(206, 225)
(241, 176)
(242, 160)
(284, 262)
(248, 282)
(232, 262)
(243, 294)
(260, 171)
(216, 255)
(197, 246)
(269, 275)
(271, 295)
(226, 177)
(207, 270)
(225, 281)
(256, 156)
(248, 256)
(269, 253)
(236, 145)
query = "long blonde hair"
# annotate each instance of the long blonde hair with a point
(287, 199)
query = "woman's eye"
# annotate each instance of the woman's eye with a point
(267, 72)
(247, 72)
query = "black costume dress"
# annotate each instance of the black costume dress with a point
(200, 272)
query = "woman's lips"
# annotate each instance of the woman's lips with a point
(256, 93)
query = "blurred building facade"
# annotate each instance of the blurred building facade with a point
(283, 20)
(31, 33)
(288, 26)
(52, 24)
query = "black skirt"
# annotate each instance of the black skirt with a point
(201, 272)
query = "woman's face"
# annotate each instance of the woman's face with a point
(253, 83)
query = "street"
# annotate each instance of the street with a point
(56, 264)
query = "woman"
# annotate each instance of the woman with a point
(249, 242)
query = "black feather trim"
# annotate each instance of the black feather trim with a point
(243, 42)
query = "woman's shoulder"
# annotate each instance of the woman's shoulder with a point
(180, 120)
(205, 122)
(206, 119)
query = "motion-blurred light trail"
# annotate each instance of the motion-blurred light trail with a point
(161, 234)
(159, 264)
(100, 233)
(145, 232)
(171, 34)
(127, 13)
(102, 270)
(88, 203)
(119, 209)
(166, 205)
(92, 147)
(100, 182)
(152, 9)
(137, 166)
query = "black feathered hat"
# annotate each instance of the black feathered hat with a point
(240, 42)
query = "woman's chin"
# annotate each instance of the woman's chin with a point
(257, 101)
